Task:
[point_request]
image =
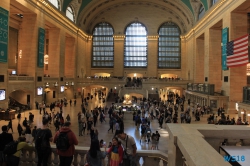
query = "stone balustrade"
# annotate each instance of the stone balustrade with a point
(145, 157)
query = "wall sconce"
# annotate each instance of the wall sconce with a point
(72, 83)
(66, 83)
(56, 84)
(47, 85)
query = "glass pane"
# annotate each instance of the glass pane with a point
(103, 46)
(55, 3)
(135, 49)
(169, 46)
(70, 14)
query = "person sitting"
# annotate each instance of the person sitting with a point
(232, 122)
(239, 121)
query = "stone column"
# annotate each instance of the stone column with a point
(54, 39)
(199, 72)
(152, 56)
(214, 46)
(118, 56)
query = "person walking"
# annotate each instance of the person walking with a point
(10, 126)
(80, 127)
(83, 126)
(66, 156)
(111, 124)
(117, 128)
(157, 137)
(19, 129)
(42, 143)
(68, 118)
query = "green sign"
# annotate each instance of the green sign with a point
(4, 34)
(224, 48)
(40, 56)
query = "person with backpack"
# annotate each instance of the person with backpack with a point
(13, 151)
(5, 138)
(65, 140)
(42, 143)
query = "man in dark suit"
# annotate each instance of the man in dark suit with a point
(5, 138)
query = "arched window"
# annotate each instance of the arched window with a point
(169, 46)
(56, 3)
(201, 12)
(213, 2)
(135, 53)
(70, 13)
(103, 46)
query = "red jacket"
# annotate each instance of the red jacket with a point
(72, 141)
(120, 152)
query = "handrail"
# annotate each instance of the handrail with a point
(158, 157)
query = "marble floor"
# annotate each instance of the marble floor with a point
(102, 127)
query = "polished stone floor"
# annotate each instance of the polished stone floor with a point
(102, 127)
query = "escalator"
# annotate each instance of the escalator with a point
(14, 104)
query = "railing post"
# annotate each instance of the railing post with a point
(82, 155)
(141, 161)
(75, 159)
(161, 163)
(56, 158)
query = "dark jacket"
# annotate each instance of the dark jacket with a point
(72, 141)
(5, 138)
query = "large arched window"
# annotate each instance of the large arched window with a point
(135, 53)
(103, 46)
(201, 12)
(70, 13)
(56, 3)
(169, 46)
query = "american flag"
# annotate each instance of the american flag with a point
(237, 52)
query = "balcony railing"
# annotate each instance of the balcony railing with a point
(144, 157)
(21, 78)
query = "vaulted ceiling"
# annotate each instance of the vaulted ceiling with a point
(119, 13)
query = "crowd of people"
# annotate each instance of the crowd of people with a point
(121, 150)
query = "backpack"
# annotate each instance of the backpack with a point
(62, 141)
(11, 148)
(143, 129)
(41, 143)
